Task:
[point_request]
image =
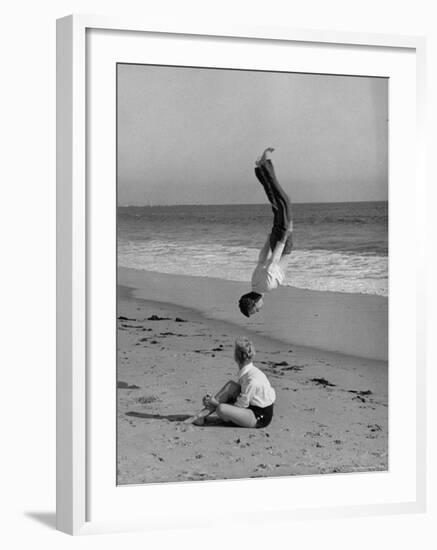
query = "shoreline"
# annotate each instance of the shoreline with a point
(350, 324)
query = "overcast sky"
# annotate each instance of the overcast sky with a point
(190, 136)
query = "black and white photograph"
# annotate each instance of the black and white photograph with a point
(219, 299)
(252, 270)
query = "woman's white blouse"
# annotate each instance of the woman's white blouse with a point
(255, 388)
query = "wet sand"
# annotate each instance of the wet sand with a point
(354, 324)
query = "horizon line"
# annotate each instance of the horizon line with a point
(242, 203)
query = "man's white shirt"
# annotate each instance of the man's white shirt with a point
(267, 277)
(255, 388)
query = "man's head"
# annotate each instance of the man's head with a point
(244, 351)
(250, 303)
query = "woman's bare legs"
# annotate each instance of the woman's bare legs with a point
(237, 415)
(229, 392)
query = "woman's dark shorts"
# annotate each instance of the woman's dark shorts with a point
(263, 415)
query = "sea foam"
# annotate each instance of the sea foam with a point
(339, 247)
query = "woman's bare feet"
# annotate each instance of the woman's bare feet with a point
(199, 421)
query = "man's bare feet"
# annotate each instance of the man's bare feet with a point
(265, 156)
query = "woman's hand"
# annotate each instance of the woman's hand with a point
(209, 402)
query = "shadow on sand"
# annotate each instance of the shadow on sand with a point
(169, 417)
(209, 421)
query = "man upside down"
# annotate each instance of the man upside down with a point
(274, 255)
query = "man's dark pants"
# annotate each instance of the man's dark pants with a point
(280, 202)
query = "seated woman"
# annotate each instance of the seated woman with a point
(248, 403)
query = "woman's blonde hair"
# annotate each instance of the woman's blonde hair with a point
(244, 350)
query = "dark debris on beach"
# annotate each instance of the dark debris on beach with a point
(322, 382)
(125, 386)
(158, 318)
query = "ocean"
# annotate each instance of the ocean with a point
(340, 247)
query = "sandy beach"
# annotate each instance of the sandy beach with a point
(326, 361)
(353, 324)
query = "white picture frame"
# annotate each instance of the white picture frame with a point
(74, 340)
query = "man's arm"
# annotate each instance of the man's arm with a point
(277, 253)
(264, 252)
(279, 248)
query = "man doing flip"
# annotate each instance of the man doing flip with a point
(273, 257)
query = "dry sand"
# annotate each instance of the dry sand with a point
(331, 412)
